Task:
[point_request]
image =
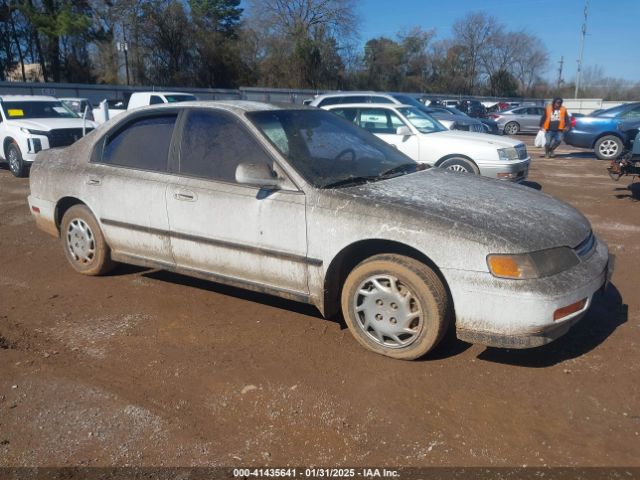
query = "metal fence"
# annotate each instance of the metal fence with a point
(97, 93)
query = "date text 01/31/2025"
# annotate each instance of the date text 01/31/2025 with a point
(315, 472)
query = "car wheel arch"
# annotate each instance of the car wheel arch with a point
(606, 134)
(64, 204)
(351, 255)
(5, 145)
(455, 155)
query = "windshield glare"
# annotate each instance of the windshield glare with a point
(26, 110)
(326, 149)
(423, 122)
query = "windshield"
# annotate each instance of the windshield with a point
(25, 110)
(328, 150)
(424, 123)
(180, 98)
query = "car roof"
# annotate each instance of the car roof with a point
(27, 98)
(367, 105)
(238, 106)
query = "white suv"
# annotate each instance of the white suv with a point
(30, 123)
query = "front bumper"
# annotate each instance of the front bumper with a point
(520, 313)
(516, 171)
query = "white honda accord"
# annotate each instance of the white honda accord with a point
(300, 203)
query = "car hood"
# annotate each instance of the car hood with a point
(505, 217)
(46, 124)
(479, 138)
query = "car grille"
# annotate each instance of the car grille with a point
(586, 248)
(63, 137)
(473, 127)
(522, 151)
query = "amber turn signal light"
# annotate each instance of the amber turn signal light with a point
(569, 309)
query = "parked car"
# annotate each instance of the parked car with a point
(489, 125)
(460, 122)
(31, 123)
(601, 132)
(424, 140)
(519, 119)
(473, 108)
(143, 99)
(79, 106)
(311, 207)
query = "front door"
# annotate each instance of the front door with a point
(237, 233)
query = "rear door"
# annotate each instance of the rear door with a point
(125, 186)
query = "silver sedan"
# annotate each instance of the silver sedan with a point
(300, 203)
(520, 119)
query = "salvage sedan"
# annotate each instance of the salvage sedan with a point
(300, 203)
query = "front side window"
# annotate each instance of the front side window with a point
(328, 150)
(142, 144)
(25, 110)
(173, 98)
(214, 144)
(155, 100)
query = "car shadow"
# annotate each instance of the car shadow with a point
(239, 293)
(633, 190)
(607, 313)
(534, 185)
(579, 155)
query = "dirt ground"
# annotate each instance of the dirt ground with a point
(150, 368)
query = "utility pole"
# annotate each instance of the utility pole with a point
(584, 34)
(560, 81)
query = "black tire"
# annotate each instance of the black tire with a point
(83, 242)
(608, 147)
(511, 128)
(460, 165)
(15, 161)
(423, 308)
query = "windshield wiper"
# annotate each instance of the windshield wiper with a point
(353, 180)
(404, 168)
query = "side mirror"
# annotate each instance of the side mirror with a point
(404, 131)
(258, 174)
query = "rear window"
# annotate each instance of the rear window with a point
(142, 144)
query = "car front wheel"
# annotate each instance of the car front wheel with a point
(395, 306)
(16, 163)
(83, 242)
(460, 165)
(608, 147)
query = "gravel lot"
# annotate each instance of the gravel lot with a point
(149, 368)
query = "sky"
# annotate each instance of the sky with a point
(612, 40)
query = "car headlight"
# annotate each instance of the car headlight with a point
(32, 132)
(508, 153)
(542, 263)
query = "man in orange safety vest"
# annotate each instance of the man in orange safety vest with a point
(555, 121)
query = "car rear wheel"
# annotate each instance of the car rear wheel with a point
(16, 163)
(460, 165)
(83, 242)
(608, 147)
(395, 306)
(511, 128)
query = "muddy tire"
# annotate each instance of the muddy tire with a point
(83, 242)
(15, 161)
(395, 306)
(460, 165)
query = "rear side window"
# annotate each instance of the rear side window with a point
(330, 101)
(142, 144)
(381, 100)
(214, 144)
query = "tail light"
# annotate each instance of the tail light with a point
(573, 122)
(494, 116)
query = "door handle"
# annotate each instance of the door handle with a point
(94, 182)
(185, 196)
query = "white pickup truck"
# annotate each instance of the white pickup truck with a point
(141, 99)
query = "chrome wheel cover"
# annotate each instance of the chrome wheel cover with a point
(388, 311)
(608, 148)
(458, 168)
(81, 242)
(511, 129)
